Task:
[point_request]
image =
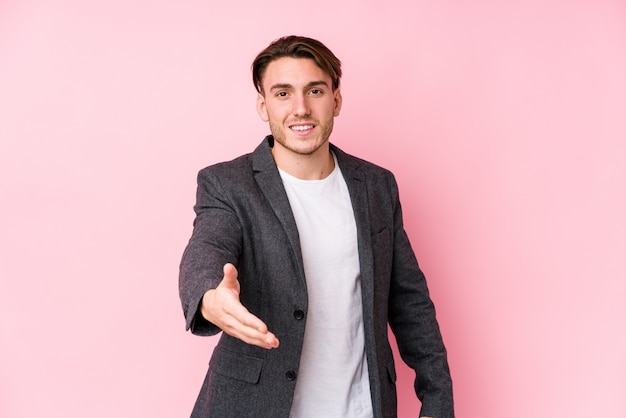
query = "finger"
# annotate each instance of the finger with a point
(264, 340)
(241, 323)
(236, 320)
(251, 330)
(234, 306)
(243, 316)
(230, 272)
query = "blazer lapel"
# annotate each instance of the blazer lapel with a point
(357, 187)
(268, 178)
(269, 181)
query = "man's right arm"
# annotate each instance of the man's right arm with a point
(216, 240)
(208, 285)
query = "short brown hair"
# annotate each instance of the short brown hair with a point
(296, 47)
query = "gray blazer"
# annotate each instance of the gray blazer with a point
(244, 218)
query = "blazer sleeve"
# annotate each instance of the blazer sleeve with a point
(412, 319)
(216, 240)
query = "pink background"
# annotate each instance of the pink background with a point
(505, 126)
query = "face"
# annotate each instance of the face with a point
(299, 104)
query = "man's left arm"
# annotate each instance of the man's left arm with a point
(413, 321)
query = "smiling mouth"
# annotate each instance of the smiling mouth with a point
(301, 128)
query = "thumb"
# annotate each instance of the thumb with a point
(230, 277)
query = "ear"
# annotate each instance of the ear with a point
(338, 101)
(261, 107)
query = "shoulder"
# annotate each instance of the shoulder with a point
(229, 179)
(359, 166)
(227, 169)
(242, 167)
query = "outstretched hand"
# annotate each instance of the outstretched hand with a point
(222, 307)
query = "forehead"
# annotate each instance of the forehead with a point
(293, 71)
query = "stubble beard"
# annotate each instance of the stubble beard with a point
(279, 136)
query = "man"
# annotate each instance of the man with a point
(299, 255)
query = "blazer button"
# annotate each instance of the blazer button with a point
(291, 375)
(299, 314)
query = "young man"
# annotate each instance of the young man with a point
(299, 256)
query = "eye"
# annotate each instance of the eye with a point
(316, 92)
(281, 94)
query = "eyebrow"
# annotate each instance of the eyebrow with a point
(289, 86)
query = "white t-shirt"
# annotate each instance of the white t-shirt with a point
(333, 377)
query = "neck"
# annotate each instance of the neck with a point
(316, 166)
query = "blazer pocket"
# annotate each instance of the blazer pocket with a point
(382, 239)
(235, 366)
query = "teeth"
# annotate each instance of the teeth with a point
(302, 127)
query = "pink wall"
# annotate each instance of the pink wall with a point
(505, 126)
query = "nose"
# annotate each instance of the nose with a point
(301, 105)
